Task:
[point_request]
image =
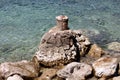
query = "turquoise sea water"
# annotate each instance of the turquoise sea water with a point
(23, 22)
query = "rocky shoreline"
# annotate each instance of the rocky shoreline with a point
(65, 54)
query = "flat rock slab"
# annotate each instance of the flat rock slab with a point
(23, 68)
(105, 66)
(75, 71)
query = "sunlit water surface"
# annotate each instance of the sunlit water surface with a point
(23, 22)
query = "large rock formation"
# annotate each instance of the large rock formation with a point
(61, 45)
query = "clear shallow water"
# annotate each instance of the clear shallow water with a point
(23, 22)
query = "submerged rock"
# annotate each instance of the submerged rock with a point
(75, 71)
(22, 68)
(105, 66)
(61, 45)
(115, 46)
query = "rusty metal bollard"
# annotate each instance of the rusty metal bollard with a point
(62, 22)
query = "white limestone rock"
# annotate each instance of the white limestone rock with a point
(105, 66)
(15, 77)
(75, 71)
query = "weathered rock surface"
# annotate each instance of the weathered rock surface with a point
(95, 51)
(47, 74)
(23, 68)
(114, 46)
(105, 66)
(15, 77)
(75, 71)
(60, 45)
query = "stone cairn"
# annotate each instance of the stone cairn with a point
(64, 54)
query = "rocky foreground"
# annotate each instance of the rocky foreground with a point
(66, 54)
